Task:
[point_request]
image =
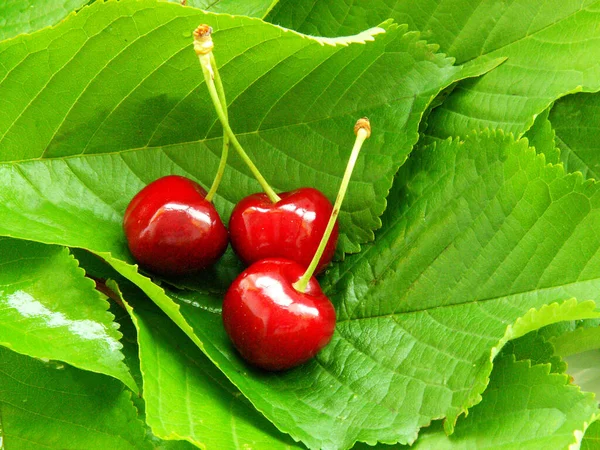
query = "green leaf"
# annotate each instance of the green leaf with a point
(591, 440)
(250, 8)
(54, 406)
(518, 411)
(186, 396)
(179, 359)
(105, 277)
(466, 252)
(486, 203)
(552, 50)
(45, 297)
(542, 136)
(535, 348)
(575, 119)
(25, 16)
(294, 109)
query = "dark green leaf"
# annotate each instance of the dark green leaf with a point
(591, 440)
(535, 348)
(576, 120)
(542, 137)
(53, 406)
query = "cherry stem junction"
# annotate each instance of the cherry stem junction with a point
(362, 129)
(203, 46)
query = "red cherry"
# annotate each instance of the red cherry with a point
(292, 228)
(172, 229)
(272, 325)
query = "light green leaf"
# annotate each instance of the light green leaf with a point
(54, 406)
(251, 8)
(518, 412)
(25, 16)
(45, 298)
(294, 109)
(576, 121)
(186, 396)
(552, 48)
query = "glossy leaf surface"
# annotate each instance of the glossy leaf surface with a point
(48, 309)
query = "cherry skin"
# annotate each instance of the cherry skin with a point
(291, 228)
(172, 230)
(272, 325)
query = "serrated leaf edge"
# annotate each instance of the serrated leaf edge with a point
(533, 319)
(546, 368)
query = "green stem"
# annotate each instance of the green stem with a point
(363, 131)
(225, 151)
(203, 46)
(220, 171)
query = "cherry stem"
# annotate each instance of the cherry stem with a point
(225, 151)
(362, 129)
(203, 46)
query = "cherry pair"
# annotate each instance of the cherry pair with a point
(173, 230)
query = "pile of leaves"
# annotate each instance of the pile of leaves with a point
(469, 257)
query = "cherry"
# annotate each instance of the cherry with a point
(172, 229)
(289, 228)
(273, 325)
